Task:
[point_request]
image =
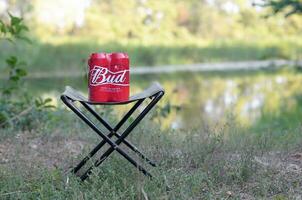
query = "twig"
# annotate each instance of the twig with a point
(145, 194)
(18, 115)
(9, 193)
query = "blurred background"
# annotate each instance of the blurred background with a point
(228, 127)
(176, 35)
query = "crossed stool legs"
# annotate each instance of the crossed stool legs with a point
(113, 131)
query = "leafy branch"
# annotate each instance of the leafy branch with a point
(14, 103)
(14, 30)
(290, 7)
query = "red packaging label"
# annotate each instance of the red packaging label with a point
(108, 77)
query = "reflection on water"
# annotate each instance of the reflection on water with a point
(209, 98)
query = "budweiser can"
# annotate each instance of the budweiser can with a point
(108, 77)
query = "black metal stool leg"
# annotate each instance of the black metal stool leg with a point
(135, 149)
(112, 131)
(115, 129)
(91, 154)
(125, 134)
(113, 145)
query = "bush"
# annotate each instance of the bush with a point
(14, 103)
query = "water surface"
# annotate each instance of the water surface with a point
(193, 99)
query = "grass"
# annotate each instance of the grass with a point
(217, 161)
(205, 163)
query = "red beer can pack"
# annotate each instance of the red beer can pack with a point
(108, 77)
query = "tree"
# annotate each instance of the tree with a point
(290, 7)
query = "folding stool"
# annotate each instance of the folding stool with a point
(70, 95)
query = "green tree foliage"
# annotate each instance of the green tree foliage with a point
(158, 22)
(290, 7)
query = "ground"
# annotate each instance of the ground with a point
(186, 173)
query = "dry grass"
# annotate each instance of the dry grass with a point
(193, 165)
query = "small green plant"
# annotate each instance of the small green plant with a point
(165, 110)
(15, 74)
(43, 103)
(14, 31)
(14, 102)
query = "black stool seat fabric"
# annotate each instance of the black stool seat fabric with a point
(153, 89)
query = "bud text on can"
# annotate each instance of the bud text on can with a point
(108, 77)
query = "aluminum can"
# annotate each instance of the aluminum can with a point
(108, 77)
